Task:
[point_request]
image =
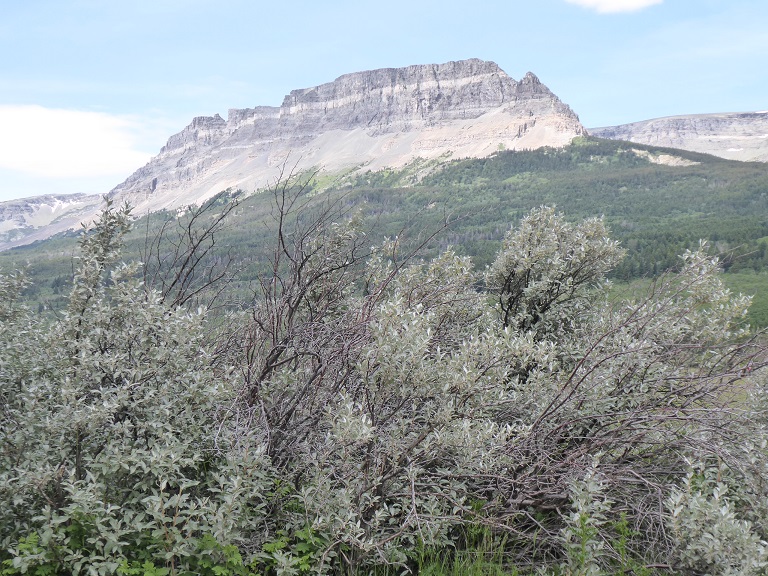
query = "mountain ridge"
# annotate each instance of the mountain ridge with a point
(739, 136)
(27, 220)
(376, 119)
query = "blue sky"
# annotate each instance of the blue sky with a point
(90, 90)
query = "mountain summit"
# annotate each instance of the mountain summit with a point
(365, 120)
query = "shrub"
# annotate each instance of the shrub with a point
(367, 405)
(115, 446)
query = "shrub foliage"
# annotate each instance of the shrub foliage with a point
(367, 409)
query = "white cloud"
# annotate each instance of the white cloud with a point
(613, 6)
(56, 143)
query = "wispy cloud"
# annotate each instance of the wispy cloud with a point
(614, 6)
(57, 143)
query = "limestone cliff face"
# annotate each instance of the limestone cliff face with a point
(736, 136)
(400, 99)
(374, 119)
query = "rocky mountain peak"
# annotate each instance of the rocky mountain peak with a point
(397, 99)
(531, 79)
(375, 119)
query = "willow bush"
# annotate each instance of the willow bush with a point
(365, 409)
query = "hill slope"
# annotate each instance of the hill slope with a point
(657, 202)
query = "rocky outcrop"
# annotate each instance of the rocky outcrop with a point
(370, 120)
(736, 136)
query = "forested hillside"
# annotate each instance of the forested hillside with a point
(656, 211)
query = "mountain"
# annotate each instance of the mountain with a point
(360, 121)
(26, 220)
(736, 136)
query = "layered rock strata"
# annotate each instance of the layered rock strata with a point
(361, 121)
(736, 136)
(367, 120)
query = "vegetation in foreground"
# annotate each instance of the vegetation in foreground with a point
(369, 412)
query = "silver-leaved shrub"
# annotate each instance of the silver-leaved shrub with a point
(114, 446)
(367, 408)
